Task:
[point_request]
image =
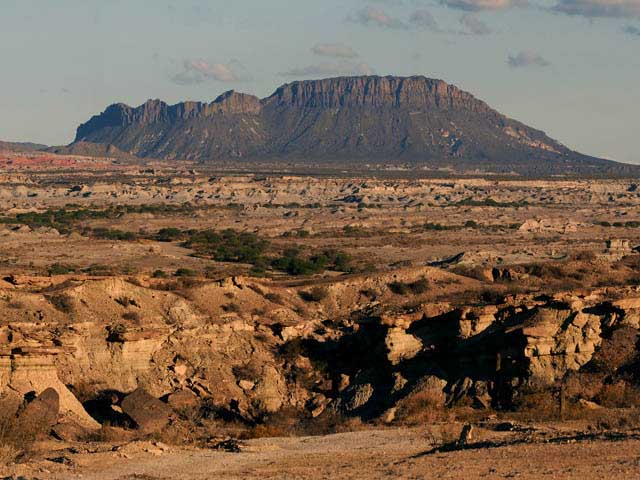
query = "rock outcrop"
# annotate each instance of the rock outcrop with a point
(347, 352)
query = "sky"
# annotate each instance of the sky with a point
(568, 67)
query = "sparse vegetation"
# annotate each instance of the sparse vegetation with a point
(60, 269)
(62, 302)
(159, 274)
(185, 272)
(417, 287)
(316, 294)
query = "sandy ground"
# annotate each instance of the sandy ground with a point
(391, 453)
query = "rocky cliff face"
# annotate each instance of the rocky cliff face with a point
(349, 351)
(386, 119)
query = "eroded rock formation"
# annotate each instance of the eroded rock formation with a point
(352, 350)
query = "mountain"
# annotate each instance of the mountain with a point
(20, 146)
(367, 119)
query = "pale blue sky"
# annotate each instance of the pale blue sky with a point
(570, 67)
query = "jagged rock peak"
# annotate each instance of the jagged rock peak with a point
(236, 102)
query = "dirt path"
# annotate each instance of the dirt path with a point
(394, 453)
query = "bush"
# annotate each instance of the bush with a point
(116, 332)
(131, 316)
(62, 302)
(316, 294)
(185, 272)
(168, 234)
(126, 301)
(60, 269)
(274, 298)
(418, 287)
(98, 270)
(228, 246)
(231, 308)
(294, 264)
(159, 274)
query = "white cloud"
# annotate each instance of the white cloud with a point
(325, 69)
(632, 30)
(200, 71)
(334, 50)
(474, 26)
(477, 5)
(371, 16)
(423, 19)
(527, 59)
(599, 8)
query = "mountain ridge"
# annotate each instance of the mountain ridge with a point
(368, 118)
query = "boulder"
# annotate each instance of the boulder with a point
(70, 431)
(357, 396)
(149, 413)
(182, 399)
(401, 345)
(40, 415)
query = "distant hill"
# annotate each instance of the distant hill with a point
(348, 119)
(87, 149)
(20, 146)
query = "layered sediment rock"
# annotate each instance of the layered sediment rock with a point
(362, 360)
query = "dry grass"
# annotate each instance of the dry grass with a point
(16, 438)
(291, 423)
(423, 407)
(8, 454)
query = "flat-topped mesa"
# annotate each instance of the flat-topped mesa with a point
(346, 119)
(377, 92)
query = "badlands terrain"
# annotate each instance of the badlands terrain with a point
(162, 322)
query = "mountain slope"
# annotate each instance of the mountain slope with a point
(379, 119)
(20, 146)
(87, 149)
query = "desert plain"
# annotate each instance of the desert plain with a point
(296, 321)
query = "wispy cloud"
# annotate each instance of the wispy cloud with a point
(477, 5)
(376, 17)
(472, 25)
(423, 19)
(632, 30)
(200, 71)
(324, 69)
(334, 50)
(599, 8)
(527, 59)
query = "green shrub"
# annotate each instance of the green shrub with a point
(60, 269)
(185, 272)
(168, 234)
(228, 245)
